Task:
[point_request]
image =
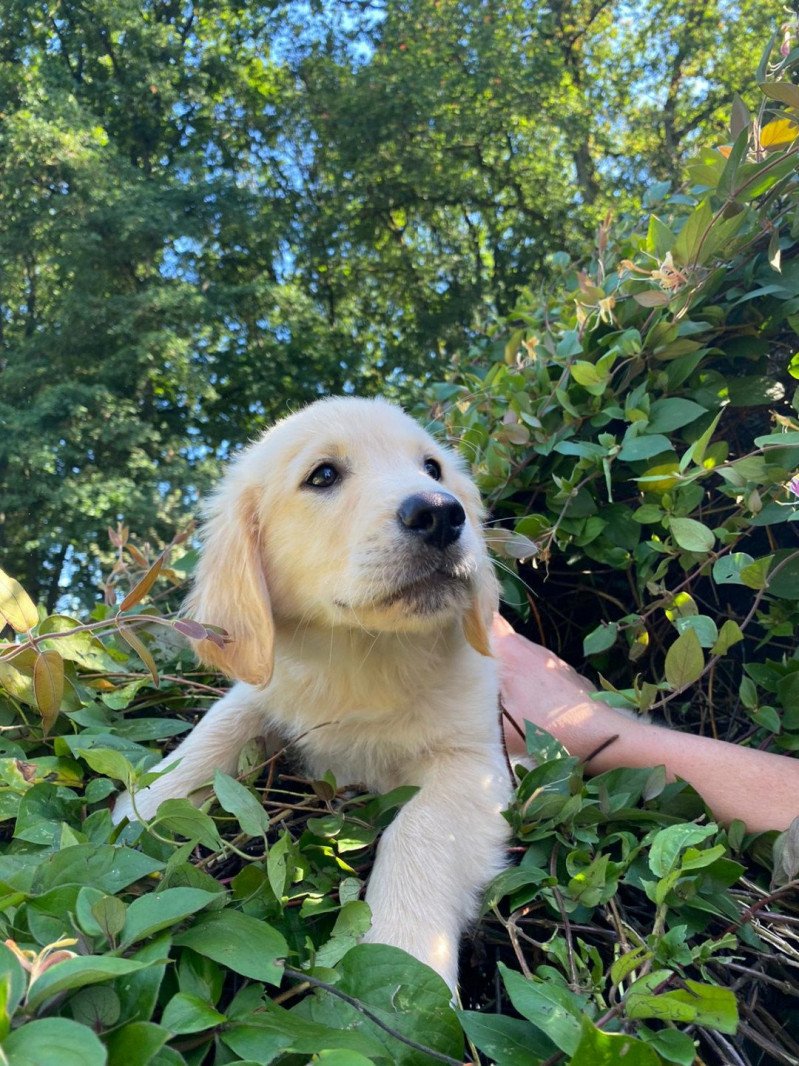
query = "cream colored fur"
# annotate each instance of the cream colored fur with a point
(380, 687)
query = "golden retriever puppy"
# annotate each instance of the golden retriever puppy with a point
(343, 555)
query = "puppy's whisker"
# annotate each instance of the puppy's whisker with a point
(509, 570)
(369, 651)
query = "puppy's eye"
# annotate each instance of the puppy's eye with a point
(323, 477)
(433, 469)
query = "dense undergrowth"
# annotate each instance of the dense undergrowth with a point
(636, 433)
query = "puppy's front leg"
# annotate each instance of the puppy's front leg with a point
(213, 744)
(437, 856)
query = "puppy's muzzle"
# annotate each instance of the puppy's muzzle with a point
(436, 518)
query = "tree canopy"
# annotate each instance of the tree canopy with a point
(213, 210)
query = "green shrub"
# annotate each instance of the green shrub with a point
(636, 435)
(635, 431)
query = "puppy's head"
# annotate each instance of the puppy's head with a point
(346, 514)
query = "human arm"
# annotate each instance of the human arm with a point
(760, 788)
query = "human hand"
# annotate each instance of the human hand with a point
(535, 683)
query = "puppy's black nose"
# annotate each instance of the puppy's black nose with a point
(436, 517)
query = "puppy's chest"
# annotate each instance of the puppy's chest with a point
(362, 734)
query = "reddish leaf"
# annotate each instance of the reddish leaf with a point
(131, 638)
(189, 628)
(140, 590)
(48, 686)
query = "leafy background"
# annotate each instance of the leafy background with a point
(199, 231)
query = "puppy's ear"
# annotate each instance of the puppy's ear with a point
(230, 588)
(480, 613)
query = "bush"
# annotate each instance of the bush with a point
(635, 431)
(636, 437)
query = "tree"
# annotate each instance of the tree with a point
(215, 210)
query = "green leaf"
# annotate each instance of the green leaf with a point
(80, 647)
(726, 185)
(587, 375)
(629, 961)
(136, 1044)
(54, 1040)
(754, 390)
(569, 345)
(659, 238)
(689, 246)
(139, 992)
(768, 718)
(786, 855)
(784, 91)
(729, 634)
(16, 982)
(636, 448)
(179, 816)
(405, 994)
(694, 859)
(187, 1013)
(96, 1006)
(341, 1057)
(109, 763)
(695, 1004)
(672, 1045)
(352, 922)
(691, 535)
(739, 116)
(549, 1006)
(109, 914)
(597, 1048)
(506, 1041)
(727, 569)
(747, 691)
(684, 660)
(77, 972)
(106, 867)
(702, 625)
(272, 1029)
(237, 800)
(600, 639)
(648, 513)
(755, 574)
(784, 582)
(240, 943)
(788, 439)
(157, 910)
(276, 865)
(673, 413)
(664, 851)
(788, 691)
